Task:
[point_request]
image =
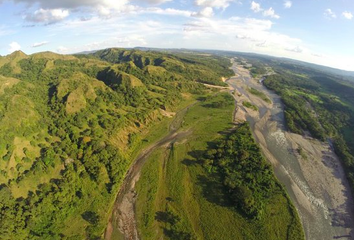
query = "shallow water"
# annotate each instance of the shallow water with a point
(317, 223)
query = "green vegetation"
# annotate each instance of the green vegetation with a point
(298, 112)
(244, 173)
(70, 127)
(250, 105)
(302, 153)
(257, 70)
(259, 94)
(190, 66)
(188, 190)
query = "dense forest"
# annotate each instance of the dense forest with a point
(318, 102)
(70, 126)
(245, 173)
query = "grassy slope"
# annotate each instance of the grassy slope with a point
(55, 118)
(174, 185)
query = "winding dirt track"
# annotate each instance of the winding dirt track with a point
(123, 214)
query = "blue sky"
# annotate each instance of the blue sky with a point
(318, 31)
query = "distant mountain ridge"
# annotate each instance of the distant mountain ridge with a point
(232, 53)
(331, 70)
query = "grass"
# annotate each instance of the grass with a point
(75, 102)
(20, 112)
(259, 94)
(158, 130)
(6, 82)
(178, 197)
(132, 80)
(32, 181)
(250, 105)
(313, 97)
(302, 153)
(156, 191)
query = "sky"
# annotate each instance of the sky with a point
(316, 31)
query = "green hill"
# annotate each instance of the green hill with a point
(71, 125)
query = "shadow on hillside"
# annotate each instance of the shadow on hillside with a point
(166, 217)
(196, 154)
(90, 217)
(173, 229)
(212, 188)
(189, 162)
(213, 191)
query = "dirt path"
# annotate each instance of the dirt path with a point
(123, 214)
(217, 87)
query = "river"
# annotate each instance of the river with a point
(316, 186)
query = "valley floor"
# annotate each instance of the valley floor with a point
(177, 198)
(310, 170)
(174, 197)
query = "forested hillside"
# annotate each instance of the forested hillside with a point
(70, 126)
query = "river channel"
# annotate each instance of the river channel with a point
(323, 215)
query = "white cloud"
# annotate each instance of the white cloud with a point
(123, 41)
(287, 4)
(53, 11)
(47, 16)
(39, 44)
(118, 32)
(240, 36)
(270, 13)
(257, 24)
(205, 12)
(261, 44)
(72, 4)
(155, 1)
(167, 11)
(318, 55)
(256, 7)
(129, 41)
(253, 35)
(329, 14)
(103, 11)
(14, 46)
(214, 3)
(347, 15)
(246, 29)
(296, 49)
(62, 49)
